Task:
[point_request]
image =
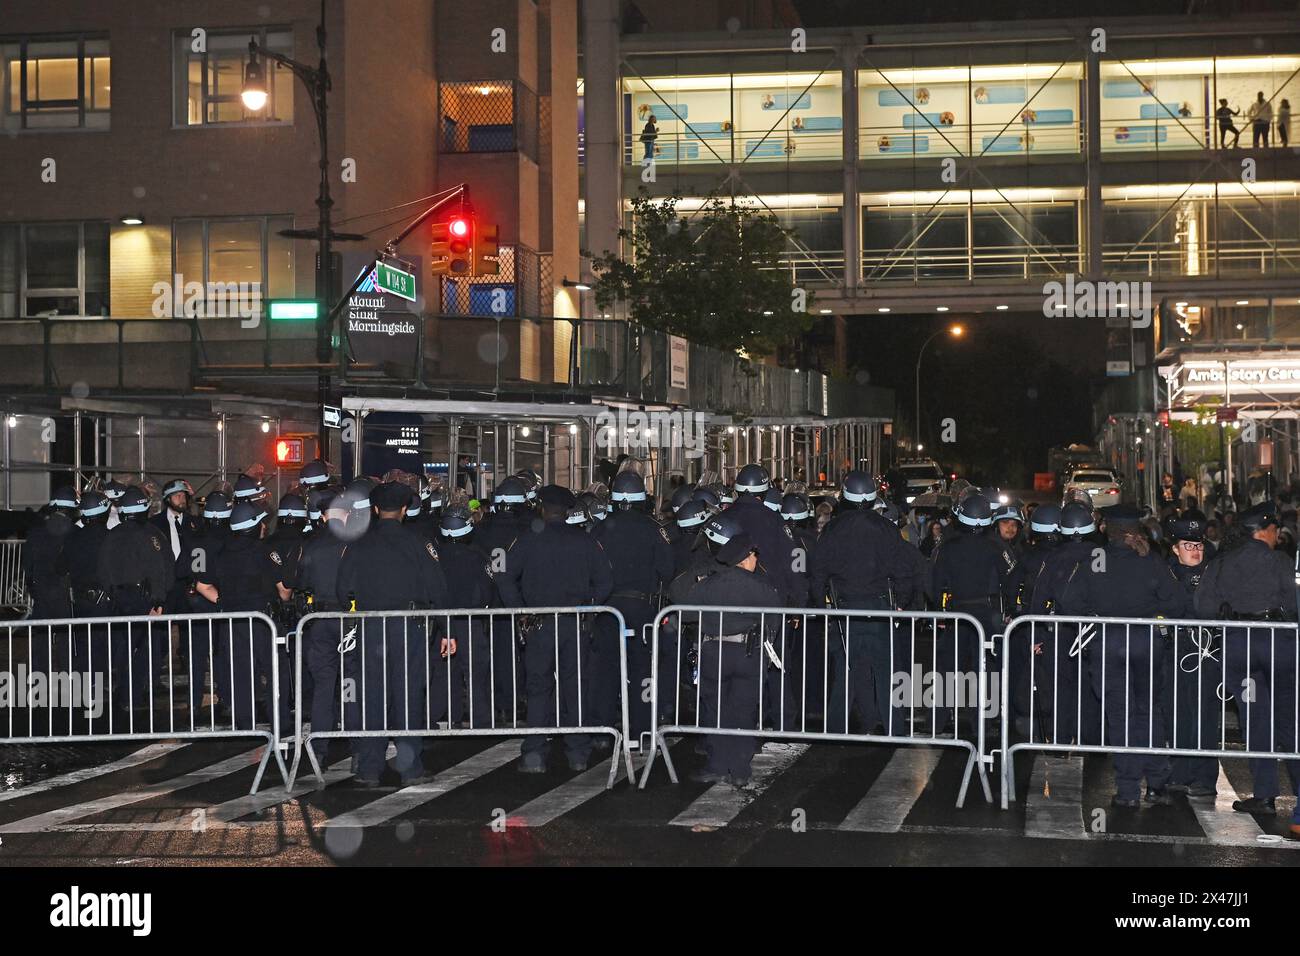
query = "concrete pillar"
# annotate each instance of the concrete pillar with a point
(1092, 153)
(851, 213)
(602, 121)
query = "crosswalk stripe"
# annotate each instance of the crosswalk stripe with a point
(54, 818)
(569, 796)
(144, 755)
(1054, 805)
(1222, 824)
(408, 798)
(895, 791)
(722, 802)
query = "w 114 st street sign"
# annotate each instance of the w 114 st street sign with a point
(394, 280)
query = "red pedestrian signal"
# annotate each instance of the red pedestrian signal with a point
(288, 451)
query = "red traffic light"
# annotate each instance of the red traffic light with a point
(458, 227)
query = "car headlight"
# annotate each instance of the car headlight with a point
(911, 499)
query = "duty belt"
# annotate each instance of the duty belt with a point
(635, 596)
(729, 638)
(89, 595)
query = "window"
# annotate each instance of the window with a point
(489, 116)
(56, 83)
(54, 268)
(208, 84)
(224, 254)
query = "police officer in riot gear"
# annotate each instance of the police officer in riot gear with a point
(47, 587)
(1194, 670)
(772, 539)
(315, 474)
(688, 521)
(1042, 537)
(202, 649)
(1251, 581)
(79, 560)
(641, 558)
(858, 563)
(553, 564)
(731, 659)
(1128, 661)
(391, 568)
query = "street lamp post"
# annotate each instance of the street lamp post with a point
(955, 331)
(254, 95)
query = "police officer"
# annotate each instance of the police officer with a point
(46, 584)
(391, 568)
(284, 546)
(485, 657)
(315, 474)
(641, 558)
(179, 528)
(1127, 661)
(1043, 537)
(731, 659)
(113, 490)
(859, 561)
(681, 495)
(772, 539)
(553, 564)
(137, 568)
(250, 489)
(317, 497)
(202, 649)
(79, 560)
(316, 578)
(967, 579)
(688, 520)
(1005, 532)
(1250, 581)
(242, 578)
(1194, 670)
(1062, 685)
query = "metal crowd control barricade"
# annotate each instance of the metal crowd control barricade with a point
(937, 679)
(1148, 686)
(13, 586)
(484, 680)
(166, 677)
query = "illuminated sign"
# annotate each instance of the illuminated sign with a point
(1262, 377)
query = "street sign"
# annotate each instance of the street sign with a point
(331, 415)
(394, 280)
(284, 309)
(1225, 413)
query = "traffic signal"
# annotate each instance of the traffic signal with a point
(288, 451)
(440, 251)
(486, 251)
(460, 245)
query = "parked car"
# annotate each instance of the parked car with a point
(1100, 484)
(919, 476)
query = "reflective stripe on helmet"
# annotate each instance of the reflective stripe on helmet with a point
(715, 536)
(692, 520)
(1086, 529)
(138, 508)
(250, 523)
(796, 517)
(509, 500)
(62, 503)
(98, 509)
(291, 513)
(456, 532)
(217, 514)
(249, 492)
(754, 489)
(1043, 528)
(314, 479)
(628, 496)
(858, 496)
(973, 522)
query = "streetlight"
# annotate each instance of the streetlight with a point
(956, 332)
(254, 96)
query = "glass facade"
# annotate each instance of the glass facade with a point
(227, 252)
(53, 268)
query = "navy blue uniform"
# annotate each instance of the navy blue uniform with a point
(1017, 598)
(391, 568)
(1252, 581)
(967, 579)
(137, 568)
(483, 659)
(47, 585)
(1127, 662)
(776, 547)
(732, 662)
(859, 557)
(202, 647)
(1063, 692)
(641, 559)
(316, 572)
(1193, 684)
(556, 565)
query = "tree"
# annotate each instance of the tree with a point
(714, 278)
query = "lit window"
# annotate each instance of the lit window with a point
(208, 84)
(246, 254)
(56, 84)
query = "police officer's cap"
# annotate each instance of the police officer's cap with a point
(736, 550)
(1046, 519)
(455, 522)
(722, 527)
(557, 496)
(974, 509)
(683, 494)
(93, 504)
(390, 496)
(177, 485)
(114, 490)
(216, 505)
(246, 515)
(1186, 529)
(627, 486)
(133, 502)
(795, 507)
(1262, 516)
(1124, 516)
(313, 473)
(248, 487)
(753, 479)
(291, 506)
(772, 499)
(63, 497)
(1076, 519)
(693, 514)
(1011, 511)
(858, 486)
(511, 491)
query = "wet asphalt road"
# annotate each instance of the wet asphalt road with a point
(187, 804)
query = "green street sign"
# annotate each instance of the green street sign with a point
(285, 309)
(399, 283)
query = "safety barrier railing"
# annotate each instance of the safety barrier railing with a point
(181, 676)
(1148, 686)
(530, 672)
(812, 668)
(13, 584)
